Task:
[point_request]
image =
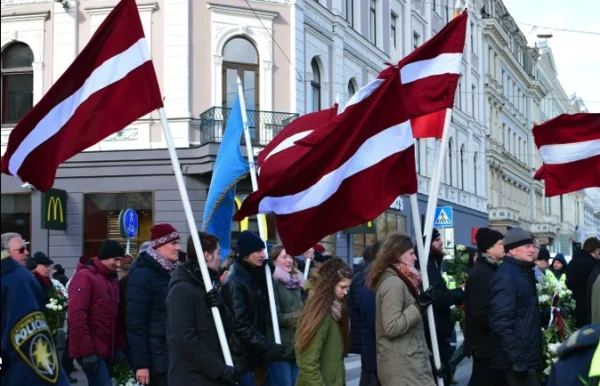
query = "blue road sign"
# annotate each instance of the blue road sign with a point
(444, 218)
(128, 223)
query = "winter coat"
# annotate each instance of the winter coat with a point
(322, 362)
(61, 277)
(402, 352)
(289, 304)
(195, 355)
(94, 311)
(562, 274)
(515, 318)
(593, 295)
(249, 305)
(354, 304)
(478, 341)
(444, 299)
(368, 317)
(146, 315)
(578, 273)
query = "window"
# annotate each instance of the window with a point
(351, 88)
(473, 37)
(240, 59)
(315, 85)
(462, 167)
(473, 100)
(433, 5)
(350, 12)
(459, 96)
(16, 214)
(385, 224)
(101, 219)
(416, 40)
(393, 37)
(373, 21)
(475, 170)
(450, 162)
(17, 82)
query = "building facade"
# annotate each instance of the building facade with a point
(292, 57)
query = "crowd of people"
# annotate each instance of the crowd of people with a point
(152, 313)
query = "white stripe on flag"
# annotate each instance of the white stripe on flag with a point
(288, 142)
(440, 65)
(362, 94)
(109, 72)
(569, 152)
(374, 150)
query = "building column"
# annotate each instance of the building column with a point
(66, 35)
(38, 81)
(266, 84)
(407, 27)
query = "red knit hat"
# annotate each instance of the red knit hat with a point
(161, 234)
(319, 248)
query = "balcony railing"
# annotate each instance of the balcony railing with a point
(263, 125)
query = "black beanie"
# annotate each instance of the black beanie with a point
(110, 249)
(249, 242)
(434, 236)
(544, 254)
(486, 238)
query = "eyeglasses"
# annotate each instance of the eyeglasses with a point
(21, 250)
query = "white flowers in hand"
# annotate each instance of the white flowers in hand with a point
(53, 305)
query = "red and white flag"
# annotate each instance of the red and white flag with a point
(569, 146)
(109, 85)
(353, 169)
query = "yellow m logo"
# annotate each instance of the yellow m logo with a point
(370, 224)
(244, 222)
(55, 204)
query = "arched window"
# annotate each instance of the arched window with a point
(475, 170)
(240, 59)
(315, 85)
(17, 82)
(351, 88)
(462, 167)
(450, 162)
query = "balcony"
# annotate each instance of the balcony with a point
(263, 125)
(546, 232)
(501, 218)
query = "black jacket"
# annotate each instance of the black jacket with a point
(515, 318)
(444, 299)
(354, 303)
(195, 353)
(590, 286)
(478, 341)
(146, 315)
(245, 294)
(578, 273)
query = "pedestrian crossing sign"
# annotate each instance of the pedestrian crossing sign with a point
(444, 218)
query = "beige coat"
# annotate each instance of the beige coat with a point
(402, 353)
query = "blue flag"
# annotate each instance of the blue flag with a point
(230, 168)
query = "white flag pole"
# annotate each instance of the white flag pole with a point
(307, 267)
(414, 206)
(260, 217)
(194, 233)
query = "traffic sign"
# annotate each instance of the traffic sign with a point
(444, 218)
(128, 223)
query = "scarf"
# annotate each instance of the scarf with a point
(336, 310)
(410, 276)
(489, 260)
(289, 281)
(167, 265)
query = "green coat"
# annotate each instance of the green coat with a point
(322, 363)
(289, 304)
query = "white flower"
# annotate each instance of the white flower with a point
(569, 292)
(49, 306)
(544, 299)
(552, 348)
(547, 370)
(53, 300)
(60, 308)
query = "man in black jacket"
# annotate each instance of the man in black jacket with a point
(245, 294)
(477, 306)
(578, 273)
(515, 315)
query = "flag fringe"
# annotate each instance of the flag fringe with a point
(220, 199)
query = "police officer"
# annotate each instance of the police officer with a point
(28, 352)
(579, 359)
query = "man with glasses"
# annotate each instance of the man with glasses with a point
(16, 246)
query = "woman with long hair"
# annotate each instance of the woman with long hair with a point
(402, 353)
(323, 333)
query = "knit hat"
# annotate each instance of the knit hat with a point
(487, 238)
(161, 234)
(320, 248)
(515, 238)
(30, 264)
(110, 249)
(544, 254)
(41, 259)
(249, 242)
(59, 268)
(434, 236)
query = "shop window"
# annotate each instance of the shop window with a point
(16, 214)
(101, 219)
(252, 225)
(387, 223)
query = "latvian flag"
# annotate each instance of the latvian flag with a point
(109, 85)
(569, 146)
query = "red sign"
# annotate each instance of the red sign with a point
(473, 233)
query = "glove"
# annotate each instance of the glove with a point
(274, 353)
(229, 375)
(90, 363)
(426, 297)
(520, 372)
(213, 298)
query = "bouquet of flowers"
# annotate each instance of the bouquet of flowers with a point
(123, 375)
(56, 310)
(557, 303)
(457, 268)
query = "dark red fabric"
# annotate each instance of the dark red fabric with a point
(102, 114)
(572, 176)
(93, 312)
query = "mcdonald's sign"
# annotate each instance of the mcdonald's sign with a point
(54, 210)
(368, 228)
